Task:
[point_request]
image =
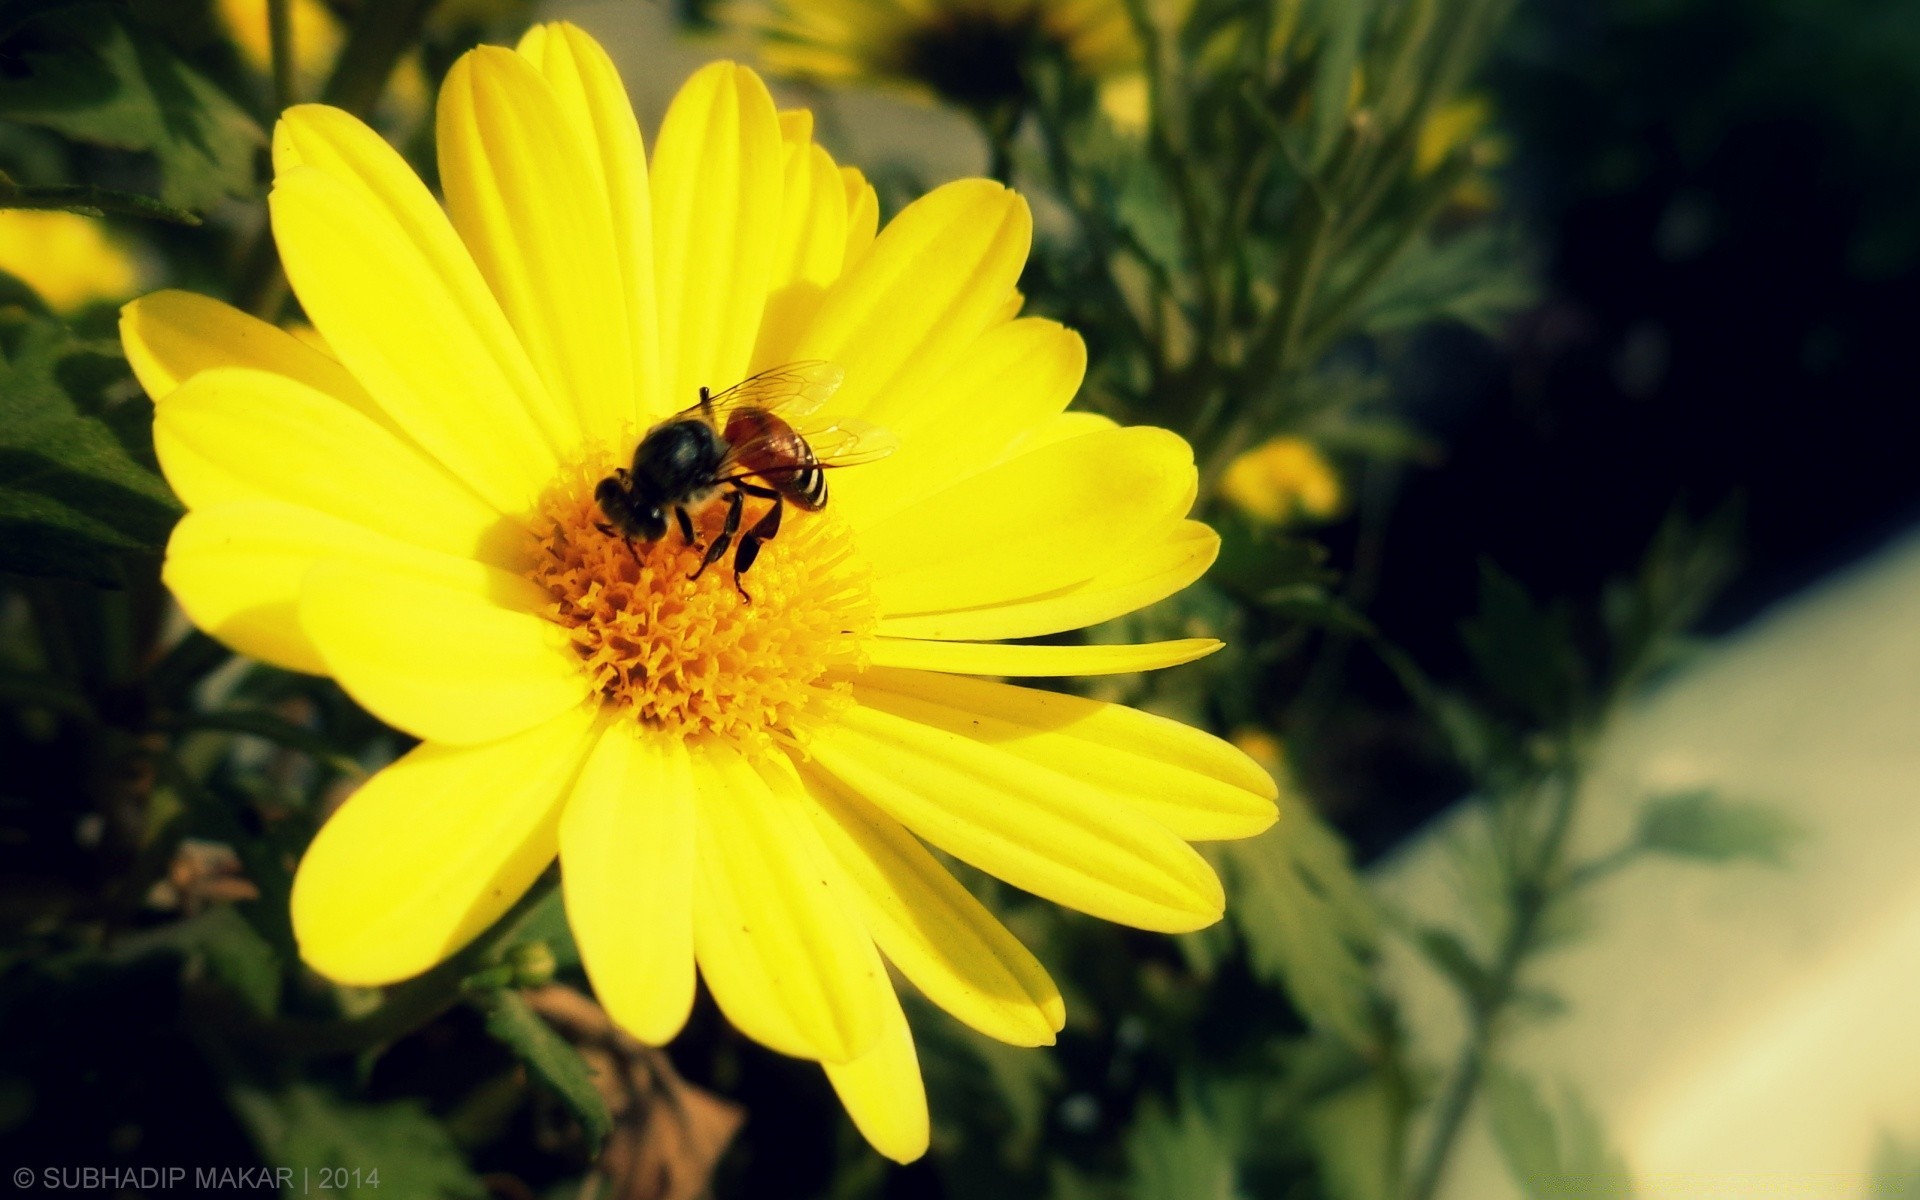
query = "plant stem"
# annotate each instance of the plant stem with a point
(280, 37)
(1533, 892)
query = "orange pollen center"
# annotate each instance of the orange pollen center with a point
(693, 657)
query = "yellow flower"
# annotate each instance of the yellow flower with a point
(1459, 122)
(968, 52)
(70, 260)
(745, 788)
(1282, 480)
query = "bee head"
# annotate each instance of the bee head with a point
(628, 513)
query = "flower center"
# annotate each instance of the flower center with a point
(693, 657)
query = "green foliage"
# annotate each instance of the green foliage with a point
(1307, 922)
(1555, 1152)
(78, 487)
(94, 80)
(550, 1059)
(392, 1149)
(1699, 824)
(1896, 1171)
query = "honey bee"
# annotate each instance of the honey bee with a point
(743, 442)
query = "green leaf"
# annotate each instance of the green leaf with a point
(273, 728)
(309, 1129)
(89, 201)
(1478, 278)
(1525, 653)
(1180, 1155)
(236, 955)
(77, 483)
(1698, 824)
(551, 1059)
(1553, 1154)
(1445, 950)
(1896, 1171)
(89, 77)
(1307, 922)
(1356, 1135)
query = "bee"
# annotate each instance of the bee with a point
(732, 445)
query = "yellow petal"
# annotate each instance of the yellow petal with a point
(941, 938)
(523, 190)
(1013, 378)
(883, 1091)
(237, 570)
(1059, 428)
(994, 658)
(233, 433)
(431, 851)
(459, 660)
(595, 103)
(1146, 574)
(812, 244)
(716, 221)
(172, 336)
(863, 215)
(402, 330)
(1050, 519)
(774, 926)
(1039, 829)
(1193, 783)
(626, 862)
(931, 282)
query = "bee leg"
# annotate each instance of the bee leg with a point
(686, 525)
(735, 499)
(762, 531)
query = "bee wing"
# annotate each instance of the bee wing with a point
(849, 443)
(843, 443)
(790, 391)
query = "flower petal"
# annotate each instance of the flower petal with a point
(1012, 379)
(172, 336)
(1039, 829)
(595, 103)
(716, 222)
(238, 569)
(941, 938)
(525, 193)
(774, 926)
(883, 1090)
(1146, 574)
(1050, 519)
(812, 243)
(396, 325)
(459, 660)
(626, 861)
(997, 658)
(1191, 782)
(929, 285)
(431, 851)
(863, 215)
(234, 433)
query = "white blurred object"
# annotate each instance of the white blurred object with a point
(1740, 1031)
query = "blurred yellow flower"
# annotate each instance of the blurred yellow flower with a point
(1262, 747)
(748, 789)
(968, 52)
(1282, 480)
(70, 260)
(1462, 121)
(318, 36)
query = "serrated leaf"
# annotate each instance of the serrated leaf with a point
(1477, 278)
(1699, 825)
(371, 1150)
(551, 1059)
(1524, 652)
(89, 77)
(1553, 1153)
(1179, 1155)
(1305, 918)
(77, 485)
(1356, 1139)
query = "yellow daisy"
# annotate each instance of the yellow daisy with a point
(968, 52)
(745, 789)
